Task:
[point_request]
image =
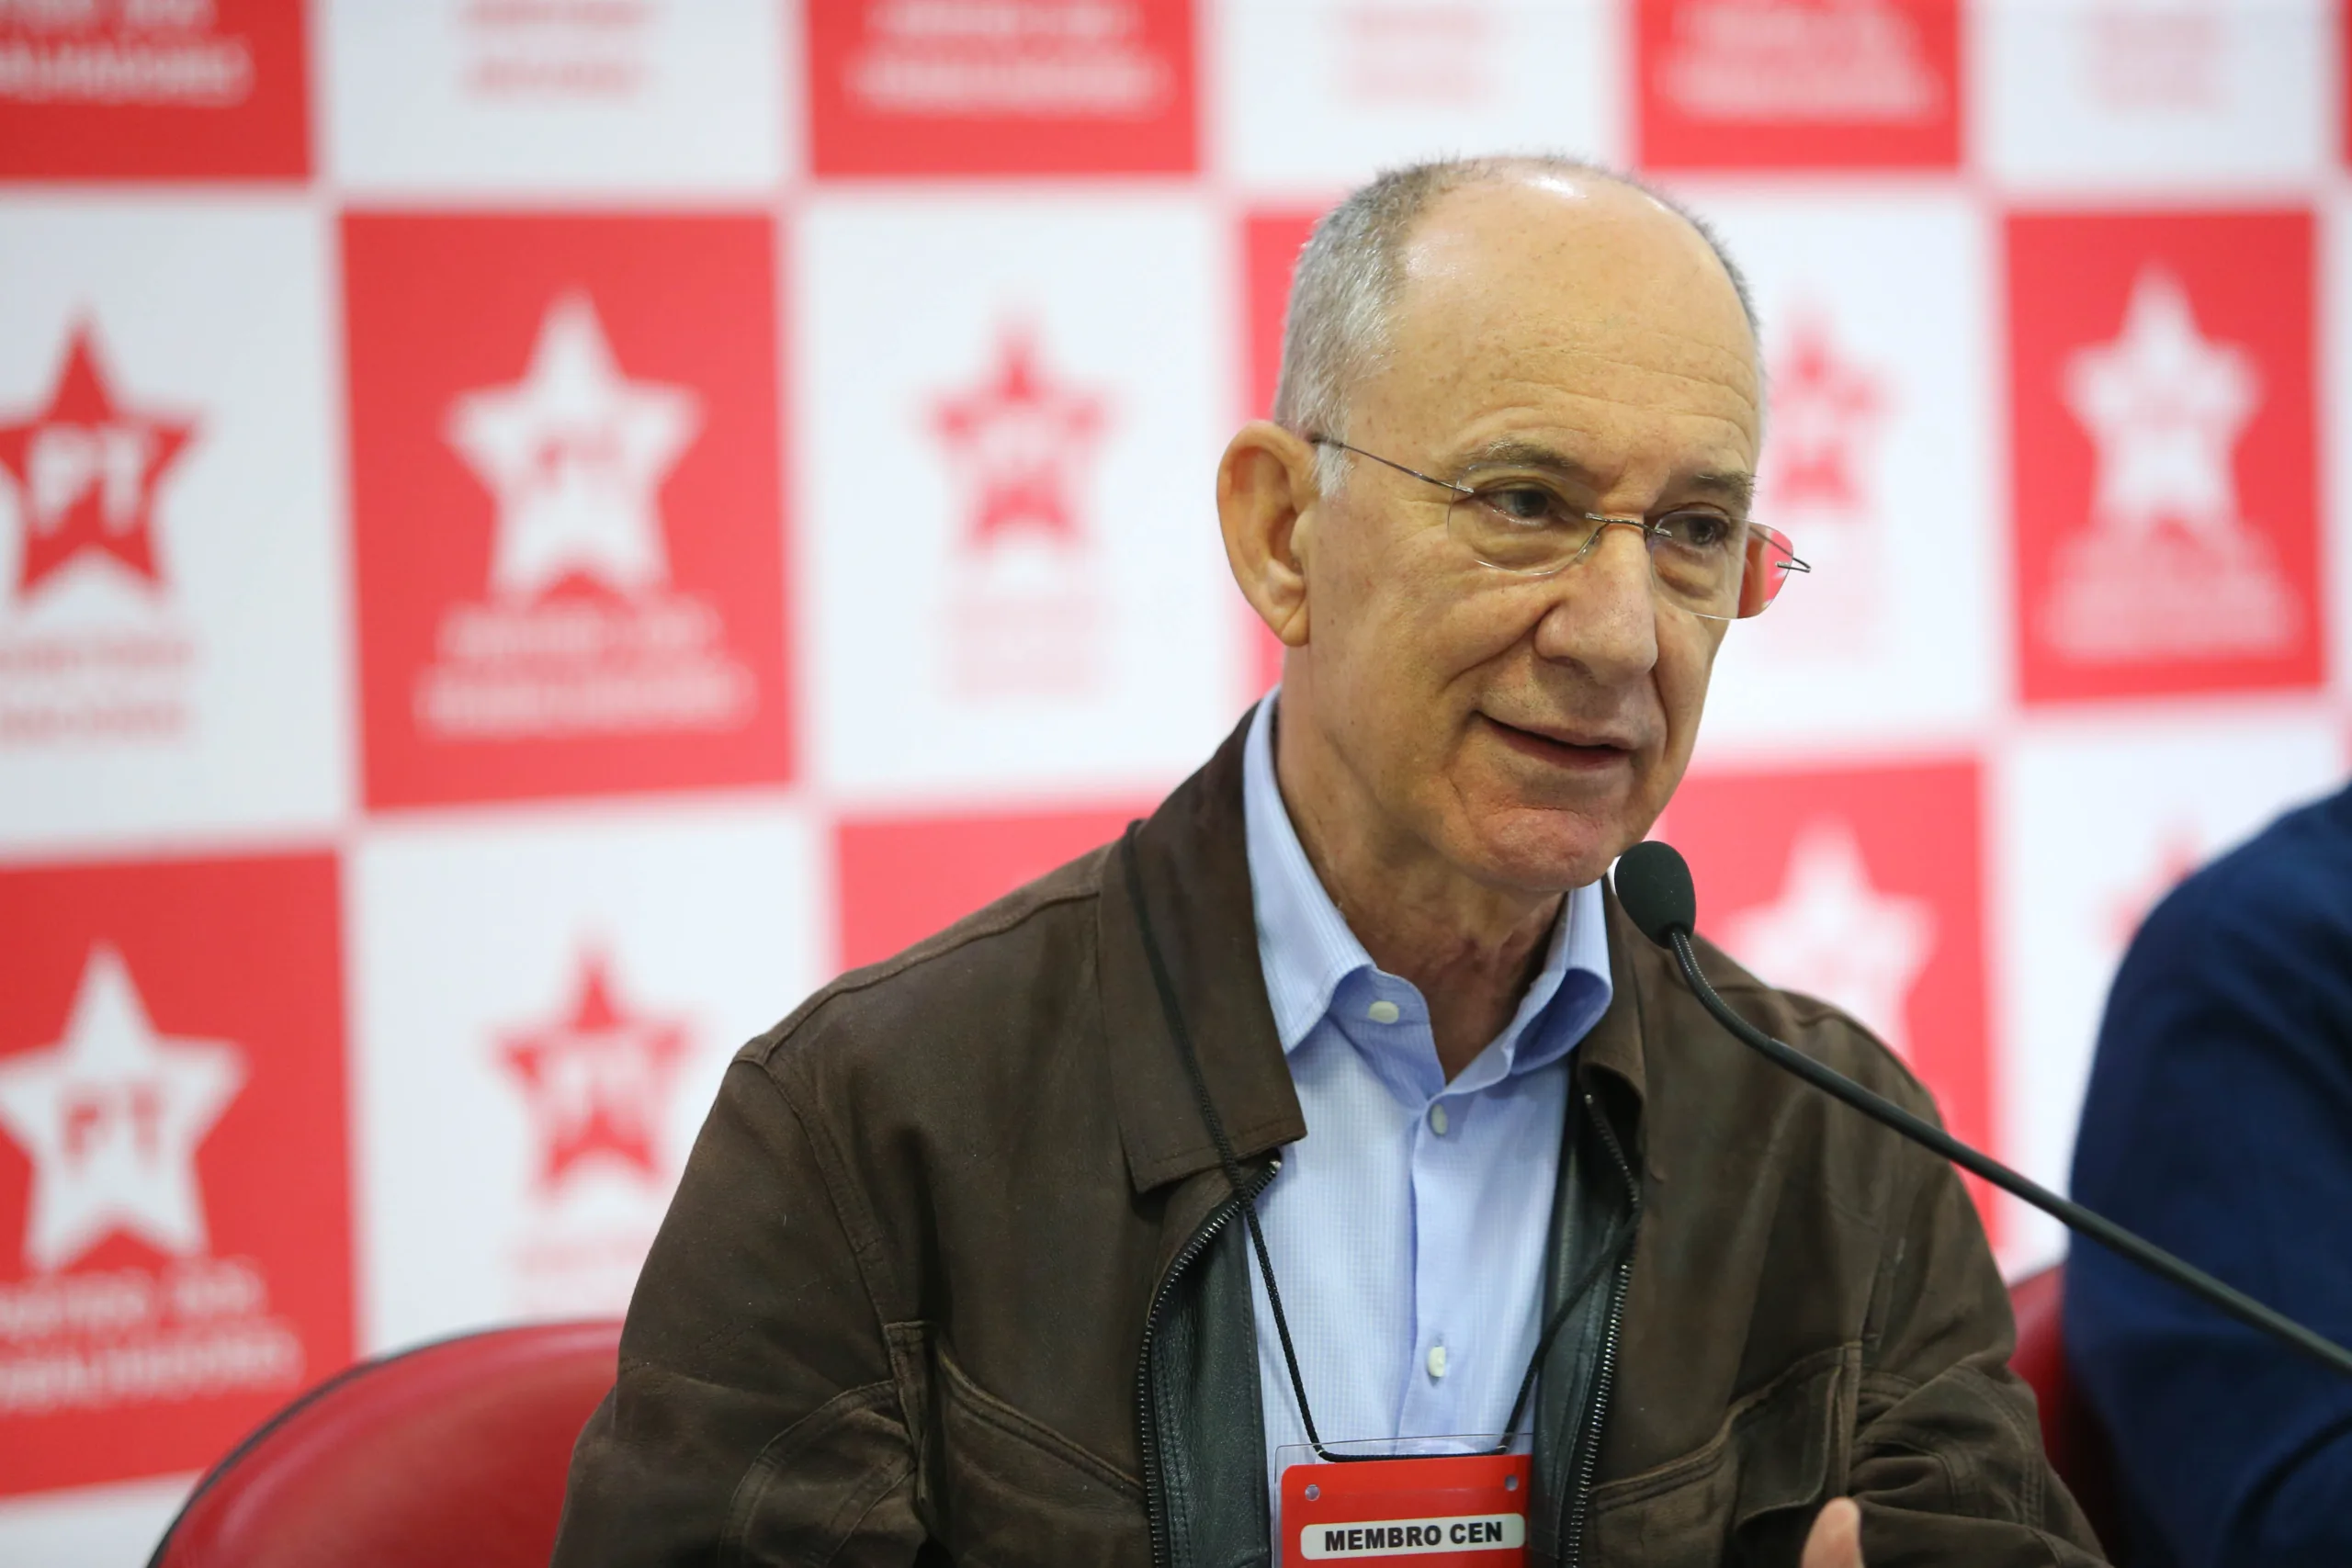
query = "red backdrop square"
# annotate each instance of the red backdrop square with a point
(1917, 831)
(2075, 283)
(221, 96)
(903, 878)
(896, 89)
(439, 307)
(1270, 242)
(1835, 84)
(241, 951)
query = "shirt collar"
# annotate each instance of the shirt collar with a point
(1307, 950)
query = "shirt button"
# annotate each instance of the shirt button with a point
(1438, 1120)
(1437, 1361)
(1383, 1012)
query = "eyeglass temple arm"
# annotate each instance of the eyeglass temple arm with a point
(1425, 478)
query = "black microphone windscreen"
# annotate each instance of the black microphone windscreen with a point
(1653, 883)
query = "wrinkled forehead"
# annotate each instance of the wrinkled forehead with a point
(1593, 306)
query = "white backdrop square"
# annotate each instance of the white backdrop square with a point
(541, 1012)
(1312, 96)
(1880, 464)
(2094, 823)
(88, 1525)
(659, 97)
(174, 649)
(2199, 95)
(1011, 569)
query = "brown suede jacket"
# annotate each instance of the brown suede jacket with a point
(950, 1275)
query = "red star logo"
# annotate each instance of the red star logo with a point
(598, 1081)
(1822, 408)
(1020, 441)
(87, 470)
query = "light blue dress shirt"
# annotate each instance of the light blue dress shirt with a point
(1408, 1228)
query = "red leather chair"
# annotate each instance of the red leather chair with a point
(2070, 1434)
(454, 1452)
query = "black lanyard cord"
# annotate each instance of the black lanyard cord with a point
(1610, 1253)
(1620, 1232)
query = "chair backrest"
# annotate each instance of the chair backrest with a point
(454, 1452)
(2071, 1433)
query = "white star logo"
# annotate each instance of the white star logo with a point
(2165, 408)
(576, 455)
(1833, 935)
(111, 1116)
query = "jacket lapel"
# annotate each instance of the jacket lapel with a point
(1588, 1202)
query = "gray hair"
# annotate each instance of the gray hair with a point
(1351, 266)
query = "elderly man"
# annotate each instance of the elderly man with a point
(1338, 1105)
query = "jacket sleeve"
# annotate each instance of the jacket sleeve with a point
(1948, 1463)
(2219, 1123)
(755, 1419)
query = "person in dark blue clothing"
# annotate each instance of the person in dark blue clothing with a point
(2219, 1123)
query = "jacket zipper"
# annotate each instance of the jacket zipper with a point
(1147, 1423)
(1605, 1375)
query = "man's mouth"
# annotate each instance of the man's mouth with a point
(1562, 746)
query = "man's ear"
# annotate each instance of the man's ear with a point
(1265, 502)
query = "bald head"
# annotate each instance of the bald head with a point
(1354, 269)
(1582, 292)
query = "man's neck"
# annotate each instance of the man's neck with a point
(1470, 948)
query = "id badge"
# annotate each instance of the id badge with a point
(1429, 1501)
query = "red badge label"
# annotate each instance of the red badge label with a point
(1799, 84)
(164, 1285)
(568, 539)
(1019, 87)
(1468, 1510)
(1863, 888)
(2168, 530)
(153, 89)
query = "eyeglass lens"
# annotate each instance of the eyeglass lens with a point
(1697, 559)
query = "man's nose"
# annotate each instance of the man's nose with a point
(1603, 617)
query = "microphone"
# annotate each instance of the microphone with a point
(1654, 884)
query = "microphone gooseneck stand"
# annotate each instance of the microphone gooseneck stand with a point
(1654, 884)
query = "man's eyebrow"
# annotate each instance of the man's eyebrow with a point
(1517, 451)
(1733, 487)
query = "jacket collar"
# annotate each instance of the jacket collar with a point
(1193, 859)
(1615, 1045)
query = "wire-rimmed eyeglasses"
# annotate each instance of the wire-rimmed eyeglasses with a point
(1712, 564)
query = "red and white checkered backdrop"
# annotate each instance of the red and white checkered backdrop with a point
(532, 532)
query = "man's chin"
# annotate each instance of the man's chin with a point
(1538, 853)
